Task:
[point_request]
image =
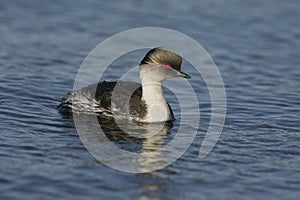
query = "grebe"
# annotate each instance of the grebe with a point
(143, 102)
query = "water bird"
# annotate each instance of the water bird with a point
(143, 102)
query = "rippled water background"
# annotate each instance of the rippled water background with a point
(256, 46)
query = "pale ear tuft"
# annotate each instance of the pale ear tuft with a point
(162, 56)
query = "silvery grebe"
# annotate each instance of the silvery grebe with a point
(145, 102)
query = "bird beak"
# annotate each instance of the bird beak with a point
(184, 75)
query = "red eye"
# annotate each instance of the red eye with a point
(168, 66)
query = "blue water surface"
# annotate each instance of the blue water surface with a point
(256, 46)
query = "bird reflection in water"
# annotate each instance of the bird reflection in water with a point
(147, 140)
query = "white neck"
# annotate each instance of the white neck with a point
(157, 107)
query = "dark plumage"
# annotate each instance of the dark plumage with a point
(103, 94)
(163, 56)
(128, 99)
(123, 90)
